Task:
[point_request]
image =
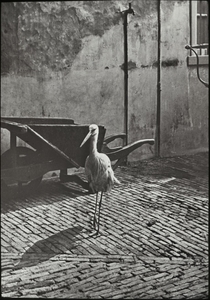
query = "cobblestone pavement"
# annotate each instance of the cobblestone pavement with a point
(152, 242)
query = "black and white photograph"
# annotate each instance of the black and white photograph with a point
(105, 149)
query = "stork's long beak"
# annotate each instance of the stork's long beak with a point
(85, 139)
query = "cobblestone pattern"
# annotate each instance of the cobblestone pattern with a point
(153, 240)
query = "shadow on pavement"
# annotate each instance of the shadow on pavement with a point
(13, 198)
(185, 166)
(45, 249)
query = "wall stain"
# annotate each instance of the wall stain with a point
(170, 63)
(145, 66)
(155, 64)
(43, 112)
(167, 63)
(131, 65)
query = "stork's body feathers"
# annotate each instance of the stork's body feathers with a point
(99, 172)
(98, 169)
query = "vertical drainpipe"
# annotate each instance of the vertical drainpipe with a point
(125, 24)
(190, 24)
(157, 138)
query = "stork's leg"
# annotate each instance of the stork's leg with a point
(99, 210)
(94, 218)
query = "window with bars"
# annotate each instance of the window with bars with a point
(202, 23)
(199, 33)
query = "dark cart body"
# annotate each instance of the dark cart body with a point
(54, 145)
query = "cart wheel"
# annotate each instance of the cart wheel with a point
(25, 156)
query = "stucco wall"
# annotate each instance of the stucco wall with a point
(142, 80)
(64, 59)
(184, 100)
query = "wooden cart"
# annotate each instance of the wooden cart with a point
(53, 144)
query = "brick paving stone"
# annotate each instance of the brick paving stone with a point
(179, 287)
(70, 278)
(164, 283)
(95, 287)
(36, 291)
(33, 284)
(97, 247)
(118, 293)
(131, 281)
(51, 276)
(188, 242)
(83, 267)
(177, 293)
(189, 280)
(155, 276)
(135, 271)
(11, 294)
(62, 258)
(139, 290)
(93, 273)
(18, 242)
(197, 238)
(195, 296)
(24, 230)
(83, 250)
(103, 274)
(112, 246)
(154, 293)
(194, 271)
(120, 241)
(145, 261)
(199, 286)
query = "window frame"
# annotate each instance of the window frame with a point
(191, 59)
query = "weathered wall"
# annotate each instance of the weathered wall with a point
(184, 100)
(64, 59)
(142, 80)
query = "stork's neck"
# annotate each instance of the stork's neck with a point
(93, 144)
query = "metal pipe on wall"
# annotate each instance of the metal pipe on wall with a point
(125, 24)
(157, 138)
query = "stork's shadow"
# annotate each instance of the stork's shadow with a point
(45, 249)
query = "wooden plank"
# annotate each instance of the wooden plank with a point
(119, 154)
(57, 141)
(17, 128)
(32, 120)
(54, 148)
(66, 138)
(14, 127)
(32, 171)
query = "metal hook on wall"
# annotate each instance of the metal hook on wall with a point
(189, 47)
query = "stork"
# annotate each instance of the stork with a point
(98, 170)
